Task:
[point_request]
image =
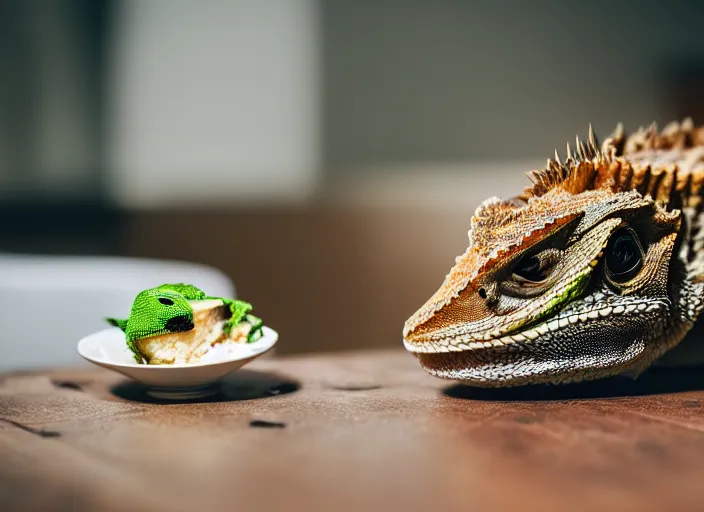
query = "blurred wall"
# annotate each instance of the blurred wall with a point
(51, 86)
(213, 102)
(448, 80)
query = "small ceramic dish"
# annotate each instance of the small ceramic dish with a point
(107, 348)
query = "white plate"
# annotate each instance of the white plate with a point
(107, 348)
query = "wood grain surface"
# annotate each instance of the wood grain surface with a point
(358, 431)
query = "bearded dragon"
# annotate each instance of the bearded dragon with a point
(594, 270)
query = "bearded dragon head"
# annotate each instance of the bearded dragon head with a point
(591, 272)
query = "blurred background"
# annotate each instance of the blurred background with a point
(321, 156)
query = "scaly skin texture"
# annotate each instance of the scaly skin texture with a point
(595, 270)
(166, 309)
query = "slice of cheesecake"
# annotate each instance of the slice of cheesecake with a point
(188, 347)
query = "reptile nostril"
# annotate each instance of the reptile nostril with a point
(482, 293)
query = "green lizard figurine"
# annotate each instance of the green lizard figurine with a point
(165, 309)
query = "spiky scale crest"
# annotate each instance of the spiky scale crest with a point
(630, 163)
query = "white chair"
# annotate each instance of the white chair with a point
(47, 303)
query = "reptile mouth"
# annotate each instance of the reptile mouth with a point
(434, 343)
(572, 345)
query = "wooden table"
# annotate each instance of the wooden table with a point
(363, 431)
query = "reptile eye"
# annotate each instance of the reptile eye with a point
(532, 274)
(166, 302)
(530, 269)
(624, 256)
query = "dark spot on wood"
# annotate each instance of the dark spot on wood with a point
(266, 424)
(691, 403)
(66, 384)
(47, 433)
(34, 431)
(354, 387)
(526, 420)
